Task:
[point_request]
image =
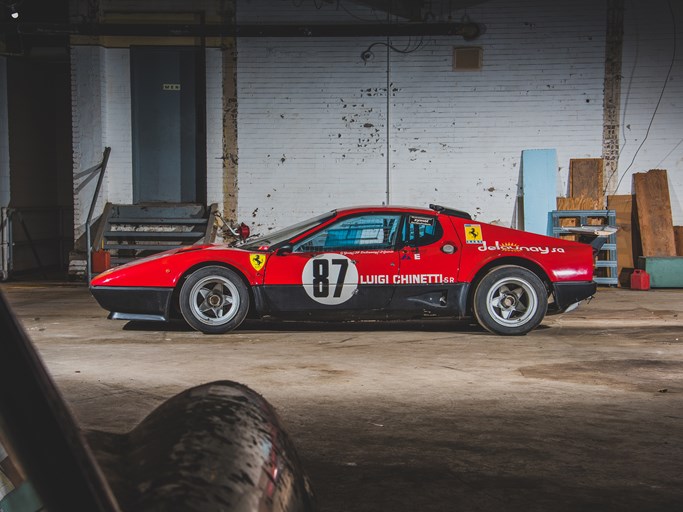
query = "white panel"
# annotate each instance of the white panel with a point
(647, 58)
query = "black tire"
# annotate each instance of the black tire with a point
(510, 300)
(214, 300)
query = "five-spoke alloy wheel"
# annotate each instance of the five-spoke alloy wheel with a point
(510, 300)
(214, 300)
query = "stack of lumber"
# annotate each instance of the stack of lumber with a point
(644, 218)
(627, 237)
(653, 204)
(585, 189)
(660, 250)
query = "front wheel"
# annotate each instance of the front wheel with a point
(214, 300)
(510, 300)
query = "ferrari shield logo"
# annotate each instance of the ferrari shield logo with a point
(473, 234)
(257, 261)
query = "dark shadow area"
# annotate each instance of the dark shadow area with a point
(309, 326)
(514, 453)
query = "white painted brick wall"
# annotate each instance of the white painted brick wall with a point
(210, 7)
(101, 104)
(101, 117)
(312, 115)
(458, 136)
(117, 132)
(647, 57)
(303, 11)
(301, 120)
(214, 126)
(87, 92)
(4, 136)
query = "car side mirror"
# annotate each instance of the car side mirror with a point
(284, 250)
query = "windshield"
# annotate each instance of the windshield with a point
(283, 235)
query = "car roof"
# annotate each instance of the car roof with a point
(433, 208)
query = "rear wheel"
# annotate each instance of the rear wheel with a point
(510, 300)
(214, 300)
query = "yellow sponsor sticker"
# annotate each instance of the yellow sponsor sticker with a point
(257, 261)
(473, 234)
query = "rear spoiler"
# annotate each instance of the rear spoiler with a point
(601, 233)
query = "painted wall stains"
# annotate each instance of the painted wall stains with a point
(449, 131)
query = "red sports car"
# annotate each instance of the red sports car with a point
(378, 262)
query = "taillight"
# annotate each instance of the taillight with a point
(243, 231)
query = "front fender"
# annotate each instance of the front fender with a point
(165, 270)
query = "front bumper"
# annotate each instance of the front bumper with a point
(568, 294)
(134, 303)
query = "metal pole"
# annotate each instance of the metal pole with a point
(388, 108)
(5, 247)
(88, 249)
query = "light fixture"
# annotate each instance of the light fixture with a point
(13, 11)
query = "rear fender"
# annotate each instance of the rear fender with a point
(501, 262)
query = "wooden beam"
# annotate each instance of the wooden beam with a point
(586, 179)
(577, 203)
(654, 213)
(678, 237)
(614, 41)
(623, 207)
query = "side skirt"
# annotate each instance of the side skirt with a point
(407, 301)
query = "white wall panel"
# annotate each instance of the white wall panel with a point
(87, 93)
(312, 114)
(457, 137)
(117, 125)
(214, 126)
(647, 57)
(311, 128)
(4, 137)
(101, 109)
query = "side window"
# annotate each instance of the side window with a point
(364, 232)
(418, 231)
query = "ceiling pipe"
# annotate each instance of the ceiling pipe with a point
(468, 31)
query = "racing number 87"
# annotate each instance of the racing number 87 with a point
(321, 277)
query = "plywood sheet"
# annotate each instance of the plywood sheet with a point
(623, 208)
(539, 185)
(577, 203)
(654, 213)
(678, 237)
(586, 179)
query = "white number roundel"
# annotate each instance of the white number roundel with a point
(330, 279)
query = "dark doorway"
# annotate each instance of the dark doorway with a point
(168, 106)
(41, 166)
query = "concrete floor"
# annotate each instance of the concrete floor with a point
(585, 413)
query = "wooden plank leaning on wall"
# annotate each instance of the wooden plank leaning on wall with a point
(678, 237)
(651, 190)
(623, 208)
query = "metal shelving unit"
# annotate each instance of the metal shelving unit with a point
(607, 257)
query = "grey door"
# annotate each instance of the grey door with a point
(164, 118)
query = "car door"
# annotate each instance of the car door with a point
(345, 269)
(429, 260)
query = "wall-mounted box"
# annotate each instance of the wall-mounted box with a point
(468, 58)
